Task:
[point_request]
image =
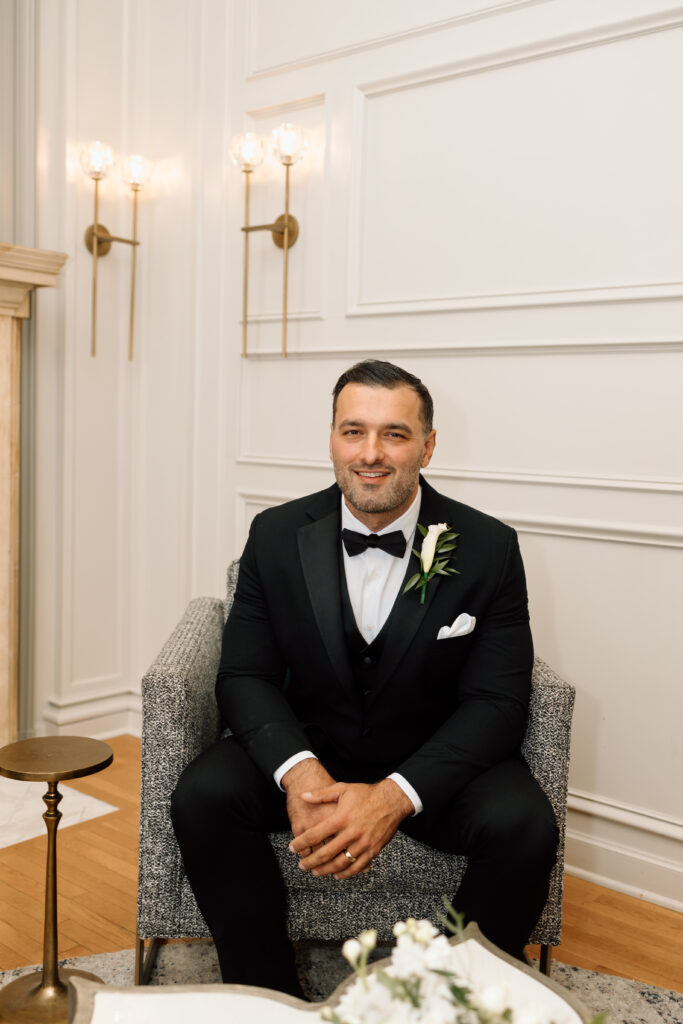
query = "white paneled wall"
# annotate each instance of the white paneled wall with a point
(491, 197)
(128, 521)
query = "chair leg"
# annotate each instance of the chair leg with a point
(546, 960)
(144, 963)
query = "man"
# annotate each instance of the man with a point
(350, 717)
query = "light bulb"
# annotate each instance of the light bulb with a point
(136, 172)
(97, 160)
(247, 151)
(289, 143)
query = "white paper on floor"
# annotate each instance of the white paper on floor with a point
(22, 809)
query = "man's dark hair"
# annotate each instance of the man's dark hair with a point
(378, 373)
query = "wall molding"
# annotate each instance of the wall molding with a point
(487, 475)
(93, 713)
(593, 294)
(552, 526)
(594, 529)
(563, 346)
(625, 814)
(527, 298)
(276, 318)
(551, 46)
(246, 497)
(254, 73)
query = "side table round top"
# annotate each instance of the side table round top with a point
(53, 758)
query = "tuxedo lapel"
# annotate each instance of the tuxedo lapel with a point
(319, 543)
(408, 614)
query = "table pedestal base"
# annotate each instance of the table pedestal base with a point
(24, 1001)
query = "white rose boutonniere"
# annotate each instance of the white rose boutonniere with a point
(438, 540)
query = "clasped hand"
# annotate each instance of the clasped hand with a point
(360, 819)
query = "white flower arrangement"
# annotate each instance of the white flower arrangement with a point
(423, 983)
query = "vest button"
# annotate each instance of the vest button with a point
(366, 731)
(368, 660)
(366, 694)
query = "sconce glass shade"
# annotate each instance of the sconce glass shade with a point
(136, 172)
(247, 152)
(97, 160)
(289, 143)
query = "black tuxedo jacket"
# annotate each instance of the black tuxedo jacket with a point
(441, 712)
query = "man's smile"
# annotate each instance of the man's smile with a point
(372, 474)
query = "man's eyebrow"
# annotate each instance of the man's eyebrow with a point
(385, 426)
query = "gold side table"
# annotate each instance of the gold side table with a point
(42, 995)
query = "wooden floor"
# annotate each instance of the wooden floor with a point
(97, 871)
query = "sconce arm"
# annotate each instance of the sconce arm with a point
(265, 227)
(116, 238)
(104, 239)
(285, 228)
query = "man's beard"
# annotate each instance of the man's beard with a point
(362, 498)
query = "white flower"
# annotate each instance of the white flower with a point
(439, 955)
(351, 950)
(425, 932)
(493, 998)
(371, 1005)
(429, 544)
(399, 928)
(368, 939)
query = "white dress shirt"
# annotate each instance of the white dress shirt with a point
(374, 580)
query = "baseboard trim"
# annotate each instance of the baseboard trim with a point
(98, 716)
(619, 855)
(629, 890)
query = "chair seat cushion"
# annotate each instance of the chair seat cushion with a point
(404, 865)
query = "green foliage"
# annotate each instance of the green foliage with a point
(454, 922)
(405, 989)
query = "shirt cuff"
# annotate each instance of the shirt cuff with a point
(289, 763)
(409, 792)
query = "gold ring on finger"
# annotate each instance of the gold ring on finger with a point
(349, 856)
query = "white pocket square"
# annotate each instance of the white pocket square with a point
(463, 625)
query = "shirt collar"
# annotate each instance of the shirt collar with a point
(406, 523)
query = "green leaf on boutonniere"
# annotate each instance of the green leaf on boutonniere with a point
(438, 540)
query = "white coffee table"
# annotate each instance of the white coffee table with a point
(482, 963)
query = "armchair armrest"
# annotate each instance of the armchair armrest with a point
(180, 715)
(546, 744)
(180, 720)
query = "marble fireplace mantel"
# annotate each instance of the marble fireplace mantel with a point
(21, 270)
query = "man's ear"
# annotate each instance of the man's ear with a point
(330, 444)
(428, 451)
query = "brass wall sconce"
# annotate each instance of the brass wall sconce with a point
(97, 161)
(247, 152)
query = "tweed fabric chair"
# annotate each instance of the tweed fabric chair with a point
(180, 720)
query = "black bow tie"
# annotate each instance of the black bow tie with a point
(393, 543)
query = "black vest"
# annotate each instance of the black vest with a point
(364, 657)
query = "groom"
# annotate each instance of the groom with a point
(355, 708)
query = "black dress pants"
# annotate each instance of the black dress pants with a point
(223, 806)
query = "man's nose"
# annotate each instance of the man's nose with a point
(372, 451)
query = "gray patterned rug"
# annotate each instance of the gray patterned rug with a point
(322, 968)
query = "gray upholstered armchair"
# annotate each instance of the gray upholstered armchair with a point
(180, 719)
